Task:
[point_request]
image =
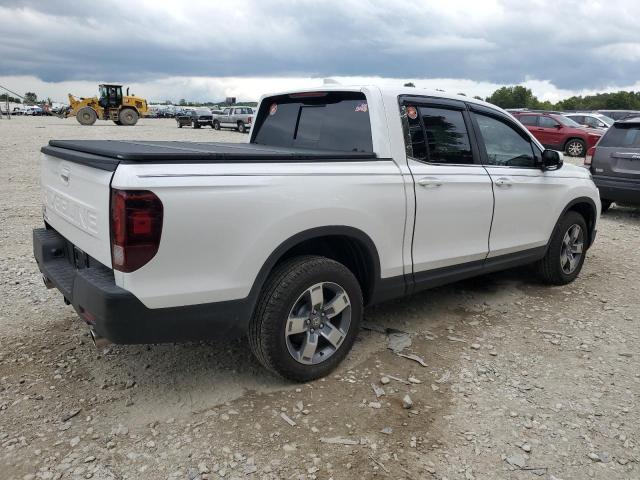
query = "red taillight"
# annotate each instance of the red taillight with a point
(249, 120)
(136, 227)
(589, 157)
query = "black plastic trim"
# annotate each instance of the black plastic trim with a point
(380, 289)
(442, 276)
(572, 203)
(118, 315)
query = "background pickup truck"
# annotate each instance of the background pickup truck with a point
(342, 198)
(238, 118)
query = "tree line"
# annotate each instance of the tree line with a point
(522, 97)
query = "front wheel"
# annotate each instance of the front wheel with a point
(307, 318)
(565, 255)
(575, 148)
(216, 125)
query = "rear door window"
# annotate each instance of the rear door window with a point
(436, 134)
(529, 120)
(336, 121)
(447, 139)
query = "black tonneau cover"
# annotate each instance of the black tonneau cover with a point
(106, 154)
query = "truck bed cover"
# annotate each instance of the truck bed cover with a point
(106, 154)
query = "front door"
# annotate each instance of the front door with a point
(454, 199)
(526, 198)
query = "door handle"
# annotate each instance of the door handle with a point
(503, 182)
(430, 182)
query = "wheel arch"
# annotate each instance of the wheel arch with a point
(586, 207)
(348, 245)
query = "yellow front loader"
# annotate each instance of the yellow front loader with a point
(110, 105)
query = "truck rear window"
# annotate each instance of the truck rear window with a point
(622, 135)
(317, 120)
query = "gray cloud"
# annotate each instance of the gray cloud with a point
(573, 44)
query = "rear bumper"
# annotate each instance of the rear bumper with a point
(618, 189)
(119, 316)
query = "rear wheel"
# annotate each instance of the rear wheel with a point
(575, 148)
(128, 117)
(565, 254)
(241, 127)
(606, 204)
(307, 318)
(86, 116)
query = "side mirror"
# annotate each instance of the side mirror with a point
(551, 160)
(558, 126)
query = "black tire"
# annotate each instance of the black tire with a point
(575, 147)
(196, 125)
(128, 117)
(117, 122)
(241, 127)
(216, 125)
(606, 204)
(86, 116)
(550, 267)
(179, 125)
(282, 291)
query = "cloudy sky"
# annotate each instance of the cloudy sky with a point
(206, 50)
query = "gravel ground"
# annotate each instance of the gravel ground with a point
(522, 381)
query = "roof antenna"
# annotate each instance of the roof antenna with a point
(330, 81)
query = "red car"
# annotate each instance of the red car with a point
(558, 132)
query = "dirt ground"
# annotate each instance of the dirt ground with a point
(522, 381)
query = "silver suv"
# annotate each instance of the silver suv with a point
(615, 163)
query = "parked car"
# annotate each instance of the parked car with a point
(615, 163)
(195, 117)
(238, 118)
(620, 114)
(343, 197)
(592, 120)
(558, 132)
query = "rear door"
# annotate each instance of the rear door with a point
(76, 204)
(454, 199)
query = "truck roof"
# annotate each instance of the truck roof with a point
(385, 90)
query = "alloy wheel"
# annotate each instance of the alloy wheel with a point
(575, 149)
(318, 323)
(571, 249)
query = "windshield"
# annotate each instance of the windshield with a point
(567, 122)
(203, 111)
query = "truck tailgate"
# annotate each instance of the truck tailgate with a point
(76, 204)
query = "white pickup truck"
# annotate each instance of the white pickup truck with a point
(342, 198)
